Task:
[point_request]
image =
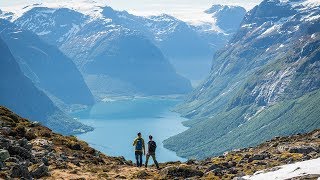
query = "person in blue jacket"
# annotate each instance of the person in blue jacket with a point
(139, 149)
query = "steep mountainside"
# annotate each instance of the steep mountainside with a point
(19, 93)
(264, 83)
(29, 150)
(112, 58)
(46, 66)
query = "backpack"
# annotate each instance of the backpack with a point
(152, 146)
(139, 144)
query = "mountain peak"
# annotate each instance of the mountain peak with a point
(108, 13)
(228, 18)
(218, 7)
(164, 17)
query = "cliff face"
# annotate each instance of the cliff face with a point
(30, 150)
(264, 83)
(20, 94)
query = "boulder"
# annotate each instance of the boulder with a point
(302, 149)
(45, 161)
(22, 142)
(43, 143)
(141, 174)
(20, 151)
(4, 154)
(213, 167)
(20, 171)
(35, 124)
(30, 135)
(76, 146)
(259, 157)
(233, 171)
(192, 162)
(218, 172)
(6, 130)
(4, 143)
(180, 171)
(41, 171)
(12, 159)
(2, 165)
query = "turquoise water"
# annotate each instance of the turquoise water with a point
(117, 122)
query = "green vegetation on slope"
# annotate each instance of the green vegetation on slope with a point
(219, 135)
(264, 83)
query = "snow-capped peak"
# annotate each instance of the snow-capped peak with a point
(87, 7)
(163, 17)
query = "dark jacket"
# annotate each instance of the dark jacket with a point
(152, 147)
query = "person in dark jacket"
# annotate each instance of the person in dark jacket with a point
(139, 149)
(151, 152)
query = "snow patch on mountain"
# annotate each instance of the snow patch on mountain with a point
(299, 169)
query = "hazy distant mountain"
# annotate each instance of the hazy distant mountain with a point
(166, 31)
(264, 83)
(228, 18)
(189, 48)
(112, 58)
(46, 66)
(55, 26)
(18, 93)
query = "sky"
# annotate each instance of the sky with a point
(187, 10)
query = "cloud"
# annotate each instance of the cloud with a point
(187, 10)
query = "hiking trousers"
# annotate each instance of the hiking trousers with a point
(138, 155)
(154, 160)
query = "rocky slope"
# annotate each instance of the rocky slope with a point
(47, 67)
(264, 83)
(113, 58)
(30, 150)
(20, 94)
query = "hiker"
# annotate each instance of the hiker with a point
(139, 149)
(151, 152)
